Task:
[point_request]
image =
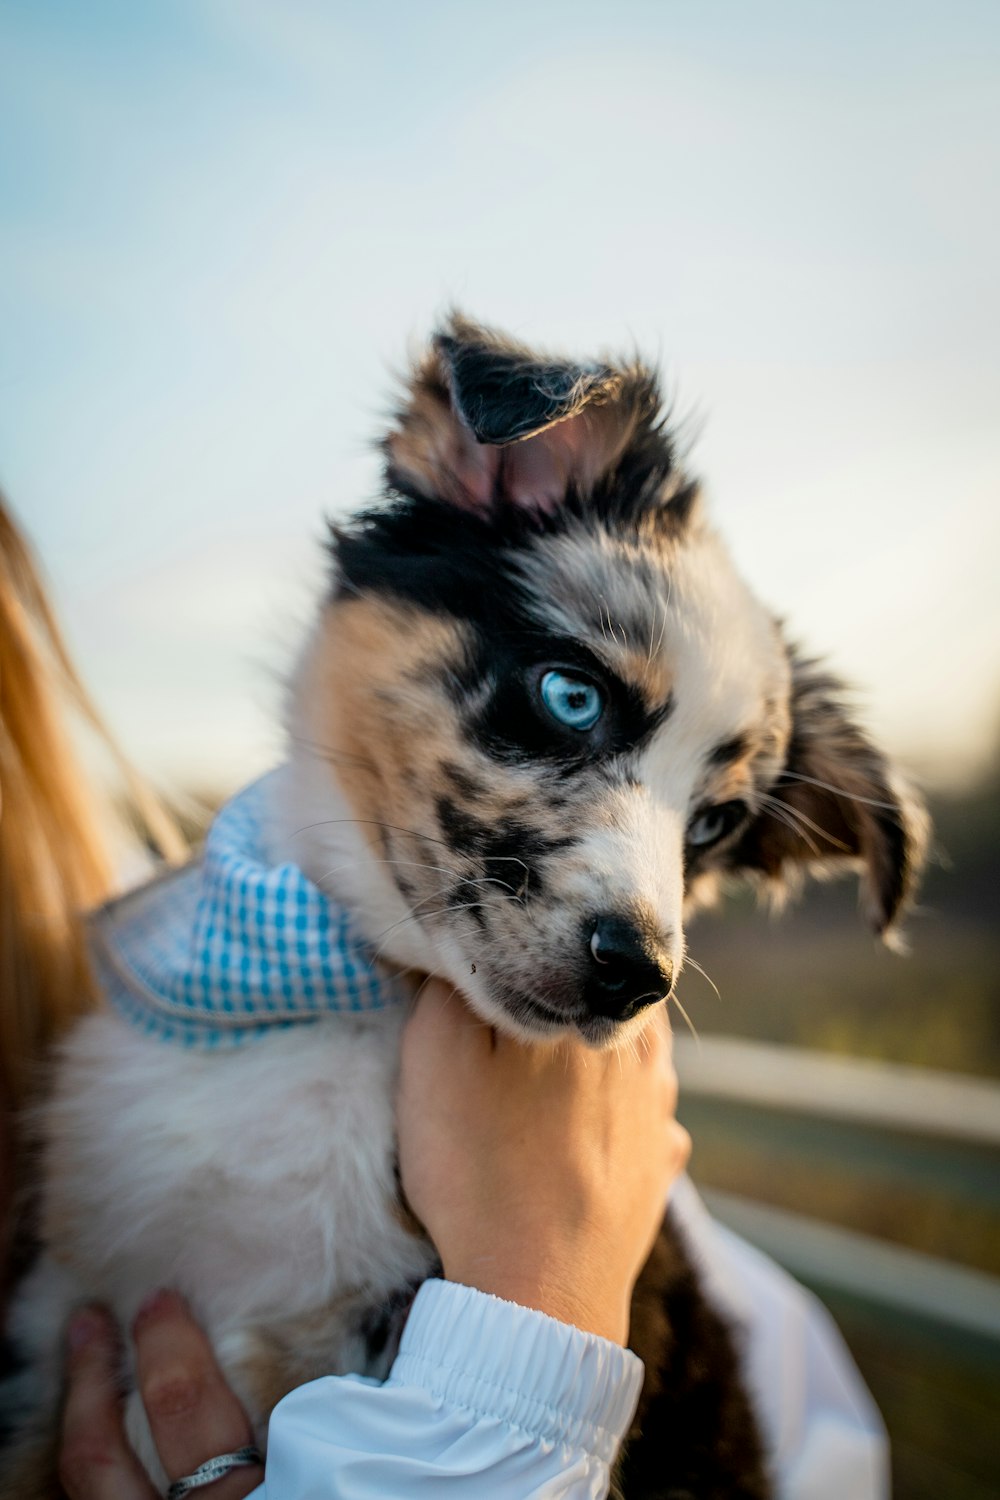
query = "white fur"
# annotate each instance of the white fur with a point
(258, 1183)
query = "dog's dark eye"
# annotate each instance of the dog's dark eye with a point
(571, 700)
(711, 825)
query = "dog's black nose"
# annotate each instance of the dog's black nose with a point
(628, 971)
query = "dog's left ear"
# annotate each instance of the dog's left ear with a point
(488, 423)
(839, 801)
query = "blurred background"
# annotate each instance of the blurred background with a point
(223, 224)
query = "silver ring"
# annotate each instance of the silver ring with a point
(213, 1469)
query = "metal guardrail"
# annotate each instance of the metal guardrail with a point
(939, 1132)
(920, 1286)
(885, 1095)
(892, 1149)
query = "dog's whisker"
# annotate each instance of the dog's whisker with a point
(783, 813)
(804, 819)
(415, 833)
(687, 1020)
(451, 885)
(621, 1047)
(435, 895)
(611, 625)
(415, 916)
(504, 885)
(798, 822)
(331, 754)
(427, 838)
(415, 864)
(786, 816)
(693, 963)
(840, 791)
(655, 651)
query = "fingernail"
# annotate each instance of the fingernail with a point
(156, 1304)
(83, 1326)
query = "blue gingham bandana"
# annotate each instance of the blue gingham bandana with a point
(228, 948)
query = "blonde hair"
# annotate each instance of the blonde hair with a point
(56, 856)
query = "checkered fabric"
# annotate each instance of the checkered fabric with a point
(228, 948)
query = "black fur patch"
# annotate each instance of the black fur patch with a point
(466, 785)
(448, 562)
(422, 552)
(464, 895)
(514, 722)
(695, 1436)
(509, 854)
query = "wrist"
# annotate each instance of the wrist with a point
(546, 1377)
(594, 1305)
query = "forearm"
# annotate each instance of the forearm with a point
(482, 1393)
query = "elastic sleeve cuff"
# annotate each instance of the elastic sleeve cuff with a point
(519, 1366)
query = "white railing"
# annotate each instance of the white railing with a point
(885, 1095)
(937, 1131)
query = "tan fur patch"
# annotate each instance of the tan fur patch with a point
(382, 733)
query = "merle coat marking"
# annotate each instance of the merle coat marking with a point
(536, 529)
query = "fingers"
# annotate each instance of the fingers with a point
(193, 1415)
(441, 1004)
(437, 1002)
(441, 1026)
(95, 1462)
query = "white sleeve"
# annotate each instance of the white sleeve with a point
(484, 1398)
(824, 1436)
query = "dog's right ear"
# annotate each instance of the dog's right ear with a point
(488, 423)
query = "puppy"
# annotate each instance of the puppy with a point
(539, 719)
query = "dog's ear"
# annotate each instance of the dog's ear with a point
(487, 423)
(838, 800)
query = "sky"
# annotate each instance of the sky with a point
(224, 224)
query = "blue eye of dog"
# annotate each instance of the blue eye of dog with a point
(714, 823)
(571, 700)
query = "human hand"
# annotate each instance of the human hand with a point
(539, 1171)
(193, 1415)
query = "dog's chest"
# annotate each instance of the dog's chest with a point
(261, 1183)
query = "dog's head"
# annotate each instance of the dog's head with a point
(543, 716)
